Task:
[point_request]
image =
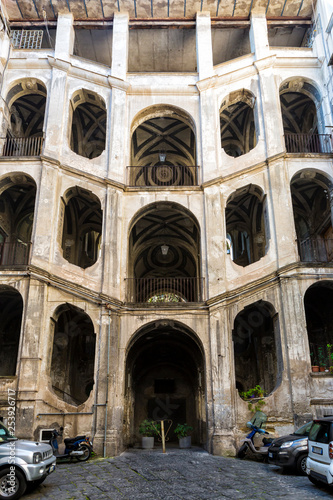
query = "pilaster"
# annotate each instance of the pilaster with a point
(120, 46)
(204, 45)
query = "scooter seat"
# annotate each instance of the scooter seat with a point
(267, 440)
(72, 440)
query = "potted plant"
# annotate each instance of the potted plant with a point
(182, 432)
(314, 363)
(330, 356)
(148, 429)
(321, 359)
(257, 394)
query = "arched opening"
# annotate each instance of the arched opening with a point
(11, 308)
(73, 354)
(82, 227)
(304, 129)
(88, 126)
(256, 354)
(247, 225)
(165, 379)
(26, 104)
(312, 215)
(17, 206)
(319, 321)
(164, 249)
(238, 131)
(163, 148)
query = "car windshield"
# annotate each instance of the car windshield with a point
(5, 434)
(304, 430)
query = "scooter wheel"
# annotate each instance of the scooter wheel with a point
(87, 452)
(242, 451)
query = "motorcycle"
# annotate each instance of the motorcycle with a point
(256, 425)
(79, 447)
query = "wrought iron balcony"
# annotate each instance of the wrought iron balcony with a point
(315, 250)
(173, 290)
(163, 175)
(22, 146)
(308, 143)
(14, 253)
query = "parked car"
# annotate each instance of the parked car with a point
(22, 463)
(291, 451)
(319, 465)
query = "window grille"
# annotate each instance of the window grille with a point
(27, 39)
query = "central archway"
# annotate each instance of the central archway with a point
(165, 370)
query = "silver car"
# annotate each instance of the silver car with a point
(22, 463)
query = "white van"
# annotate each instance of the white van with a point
(319, 464)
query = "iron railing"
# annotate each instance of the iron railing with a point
(14, 253)
(308, 143)
(173, 290)
(316, 250)
(22, 146)
(163, 175)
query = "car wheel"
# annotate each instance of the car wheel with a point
(315, 481)
(87, 452)
(12, 484)
(301, 464)
(242, 451)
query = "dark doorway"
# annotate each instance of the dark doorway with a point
(165, 380)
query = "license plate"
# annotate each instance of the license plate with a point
(316, 449)
(270, 455)
(51, 468)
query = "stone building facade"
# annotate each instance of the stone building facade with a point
(166, 190)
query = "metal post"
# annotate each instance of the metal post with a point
(163, 436)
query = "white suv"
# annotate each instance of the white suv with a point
(319, 464)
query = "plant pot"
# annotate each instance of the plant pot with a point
(185, 442)
(147, 442)
(315, 368)
(322, 368)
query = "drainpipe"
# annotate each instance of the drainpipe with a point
(107, 385)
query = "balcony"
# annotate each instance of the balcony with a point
(171, 290)
(22, 146)
(315, 250)
(308, 143)
(14, 253)
(163, 175)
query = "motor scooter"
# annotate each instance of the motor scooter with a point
(79, 447)
(256, 425)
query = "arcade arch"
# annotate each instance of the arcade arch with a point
(73, 354)
(11, 308)
(88, 124)
(164, 250)
(237, 122)
(246, 223)
(17, 206)
(82, 227)
(256, 352)
(163, 148)
(165, 369)
(310, 191)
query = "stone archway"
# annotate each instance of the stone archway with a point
(165, 370)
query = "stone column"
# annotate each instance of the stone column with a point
(204, 45)
(268, 98)
(4, 111)
(120, 46)
(55, 128)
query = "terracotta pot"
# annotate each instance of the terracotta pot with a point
(322, 369)
(315, 368)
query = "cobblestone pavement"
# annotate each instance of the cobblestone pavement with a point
(178, 474)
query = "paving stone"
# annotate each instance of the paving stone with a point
(177, 475)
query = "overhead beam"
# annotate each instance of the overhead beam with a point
(163, 23)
